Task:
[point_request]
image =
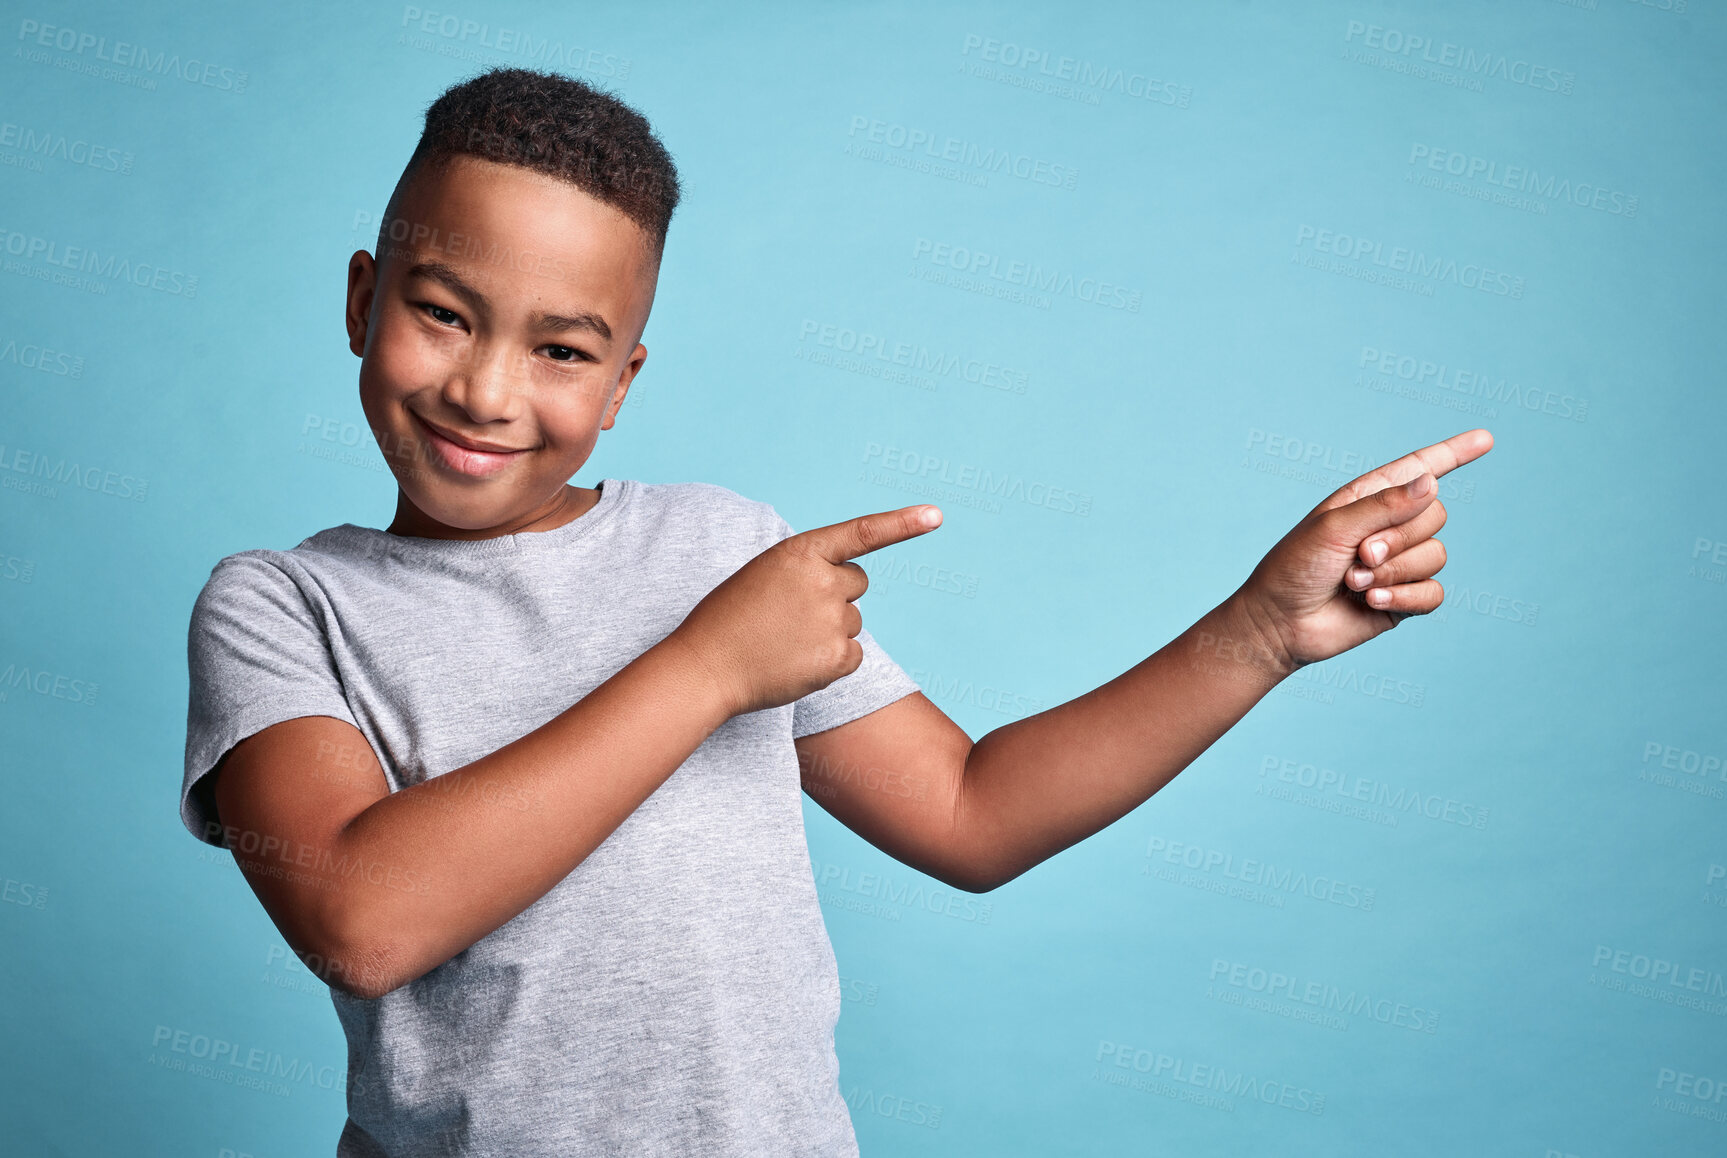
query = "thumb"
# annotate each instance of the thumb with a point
(1398, 503)
(838, 542)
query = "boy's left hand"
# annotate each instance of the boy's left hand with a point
(1362, 560)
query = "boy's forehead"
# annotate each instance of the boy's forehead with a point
(506, 224)
(470, 206)
(476, 177)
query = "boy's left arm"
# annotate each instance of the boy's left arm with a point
(910, 781)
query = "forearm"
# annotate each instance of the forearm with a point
(1038, 785)
(451, 859)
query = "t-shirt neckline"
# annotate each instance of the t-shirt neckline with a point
(612, 494)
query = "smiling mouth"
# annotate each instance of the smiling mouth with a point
(465, 456)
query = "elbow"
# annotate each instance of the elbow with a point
(359, 962)
(360, 969)
(977, 876)
(990, 883)
(975, 864)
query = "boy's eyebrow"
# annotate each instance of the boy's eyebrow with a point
(546, 323)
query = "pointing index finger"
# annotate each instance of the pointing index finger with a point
(1446, 456)
(1439, 459)
(838, 542)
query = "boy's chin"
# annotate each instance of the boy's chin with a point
(493, 503)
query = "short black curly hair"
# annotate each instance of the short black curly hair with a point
(552, 124)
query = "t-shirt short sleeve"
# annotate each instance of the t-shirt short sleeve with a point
(257, 656)
(877, 682)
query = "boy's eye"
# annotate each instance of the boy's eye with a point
(449, 317)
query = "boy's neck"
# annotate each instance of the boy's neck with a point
(570, 504)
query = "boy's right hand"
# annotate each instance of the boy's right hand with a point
(784, 625)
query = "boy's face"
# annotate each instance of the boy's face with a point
(498, 331)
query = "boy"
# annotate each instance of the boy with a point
(519, 776)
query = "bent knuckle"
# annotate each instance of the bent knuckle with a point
(859, 577)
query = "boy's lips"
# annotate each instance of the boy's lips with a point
(465, 456)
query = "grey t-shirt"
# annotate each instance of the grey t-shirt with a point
(676, 993)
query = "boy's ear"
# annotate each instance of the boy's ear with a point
(362, 283)
(628, 375)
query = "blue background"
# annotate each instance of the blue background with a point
(1565, 946)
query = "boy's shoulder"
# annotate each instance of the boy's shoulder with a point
(244, 577)
(707, 498)
(284, 575)
(692, 492)
(717, 510)
(269, 561)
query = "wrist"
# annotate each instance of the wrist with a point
(709, 681)
(1242, 639)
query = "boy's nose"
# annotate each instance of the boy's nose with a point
(485, 386)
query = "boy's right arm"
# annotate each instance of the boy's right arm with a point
(373, 888)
